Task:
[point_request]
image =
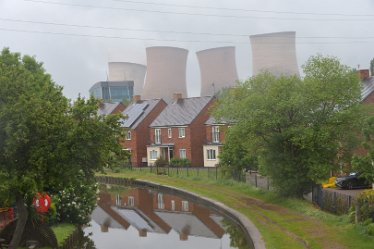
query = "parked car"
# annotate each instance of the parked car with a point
(351, 181)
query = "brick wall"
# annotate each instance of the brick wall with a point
(140, 136)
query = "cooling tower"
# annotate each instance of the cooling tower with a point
(166, 72)
(217, 69)
(275, 53)
(126, 71)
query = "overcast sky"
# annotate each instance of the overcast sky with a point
(75, 39)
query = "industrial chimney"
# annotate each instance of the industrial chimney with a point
(166, 72)
(217, 69)
(275, 53)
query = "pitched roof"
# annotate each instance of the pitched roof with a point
(181, 112)
(367, 87)
(213, 121)
(107, 108)
(136, 112)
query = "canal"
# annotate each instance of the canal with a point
(140, 217)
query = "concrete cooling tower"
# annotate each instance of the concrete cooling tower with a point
(126, 71)
(217, 69)
(166, 72)
(275, 53)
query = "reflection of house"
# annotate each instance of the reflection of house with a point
(140, 114)
(156, 212)
(179, 130)
(215, 135)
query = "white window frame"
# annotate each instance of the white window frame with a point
(182, 153)
(172, 205)
(211, 154)
(185, 207)
(153, 155)
(131, 201)
(128, 135)
(181, 132)
(157, 136)
(170, 133)
(215, 134)
(160, 201)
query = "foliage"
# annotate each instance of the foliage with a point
(365, 163)
(160, 162)
(299, 129)
(46, 140)
(76, 202)
(180, 162)
(366, 203)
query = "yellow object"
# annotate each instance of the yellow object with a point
(330, 183)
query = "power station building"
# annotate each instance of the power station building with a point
(166, 72)
(113, 91)
(275, 53)
(217, 69)
(127, 71)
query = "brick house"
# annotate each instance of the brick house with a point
(215, 135)
(140, 114)
(179, 130)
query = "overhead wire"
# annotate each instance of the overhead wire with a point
(196, 14)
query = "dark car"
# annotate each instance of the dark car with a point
(353, 180)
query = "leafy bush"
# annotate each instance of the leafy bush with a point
(75, 203)
(160, 162)
(180, 162)
(366, 203)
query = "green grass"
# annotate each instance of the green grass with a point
(63, 231)
(283, 223)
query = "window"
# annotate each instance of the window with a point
(118, 201)
(160, 201)
(153, 155)
(182, 153)
(170, 134)
(130, 201)
(211, 154)
(185, 206)
(128, 135)
(215, 134)
(157, 136)
(172, 205)
(182, 132)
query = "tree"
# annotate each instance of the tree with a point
(45, 141)
(298, 128)
(365, 163)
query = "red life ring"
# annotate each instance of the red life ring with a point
(42, 202)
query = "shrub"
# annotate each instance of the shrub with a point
(180, 162)
(366, 204)
(161, 162)
(75, 203)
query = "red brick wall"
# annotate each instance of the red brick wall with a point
(140, 136)
(222, 131)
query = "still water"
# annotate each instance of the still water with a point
(146, 218)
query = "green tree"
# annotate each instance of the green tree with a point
(365, 163)
(45, 141)
(299, 128)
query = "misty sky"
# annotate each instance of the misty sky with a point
(75, 39)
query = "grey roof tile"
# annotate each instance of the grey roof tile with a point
(181, 112)
(367, 87)
(136, 112)
(107, 108)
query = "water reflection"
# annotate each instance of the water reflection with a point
(145, 218)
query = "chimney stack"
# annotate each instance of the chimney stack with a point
(364, 74)
(136, 98)
(143, 232)
(177, 96)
